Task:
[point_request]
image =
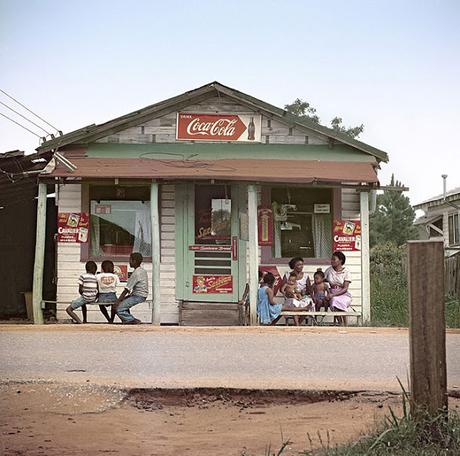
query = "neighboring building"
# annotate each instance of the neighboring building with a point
(18, 212)
(441, 219)
(184, 182)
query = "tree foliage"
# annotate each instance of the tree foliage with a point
(305, 110)
(393, 219)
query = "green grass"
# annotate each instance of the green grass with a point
(389, 302)
(396, 436)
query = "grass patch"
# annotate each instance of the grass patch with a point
(390, 302)
(396, 436)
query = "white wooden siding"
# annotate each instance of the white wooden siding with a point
(70, 267)
(163, 129)
(350, 204)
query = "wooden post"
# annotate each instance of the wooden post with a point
(253, 254)
(156, 254)
(427, 328)
(365, 274)
(39, 261)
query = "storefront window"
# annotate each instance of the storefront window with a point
(119, 221)
(302, 222)
(213, 209)
(453, 230)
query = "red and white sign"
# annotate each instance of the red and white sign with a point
(347, 235)
(121, 270)
(218, 127)
(210, 248)
(212, 284)
(103, 209)
(265, 226)
(73, 227)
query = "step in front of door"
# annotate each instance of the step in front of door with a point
(210, 314)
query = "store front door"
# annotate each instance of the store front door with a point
(213, 253)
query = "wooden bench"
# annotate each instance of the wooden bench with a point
(321, 314)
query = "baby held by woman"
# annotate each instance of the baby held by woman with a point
(292, 291)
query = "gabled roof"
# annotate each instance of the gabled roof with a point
(93, 132)
(451, 195)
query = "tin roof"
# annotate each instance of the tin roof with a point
(451, 195)
(251, 170)
(93, 132)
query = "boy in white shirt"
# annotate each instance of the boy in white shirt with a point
(107, 283)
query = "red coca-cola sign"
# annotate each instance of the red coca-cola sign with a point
(217, 127)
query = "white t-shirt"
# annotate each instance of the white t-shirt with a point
(337, 279)
(107, 282)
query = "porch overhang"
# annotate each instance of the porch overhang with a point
(246, 170)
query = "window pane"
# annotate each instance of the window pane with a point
(213, 209)
(119, 223)
(297, 229)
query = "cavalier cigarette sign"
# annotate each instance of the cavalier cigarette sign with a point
(347, 235)
(218, 127)
(73, 227)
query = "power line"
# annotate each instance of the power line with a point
(17, 123)
(24, 117)
(27, 109)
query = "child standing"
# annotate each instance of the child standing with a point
(87, 287)
(320, 291)
(107, 282)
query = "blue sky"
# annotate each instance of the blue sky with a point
(392, 65)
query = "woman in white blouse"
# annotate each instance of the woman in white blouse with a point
(339, 278)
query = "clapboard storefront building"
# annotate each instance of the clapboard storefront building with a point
(208, 186)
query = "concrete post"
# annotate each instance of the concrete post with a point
(39, 261)
(156, 254)
(365, 258)
(253, 253)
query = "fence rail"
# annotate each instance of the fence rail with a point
(452, 275)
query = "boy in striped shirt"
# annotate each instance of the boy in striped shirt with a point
(87, 287)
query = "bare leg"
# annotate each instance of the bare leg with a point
(84, 312)
(113, 312)
(73, 315)
(273, 323)
(103, 309)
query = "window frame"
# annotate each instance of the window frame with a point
(85, 207)
(454, 242)
(266, 251)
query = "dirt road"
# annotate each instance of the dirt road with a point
(173, 357)
(86, 420)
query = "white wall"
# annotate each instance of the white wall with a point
(70, 267)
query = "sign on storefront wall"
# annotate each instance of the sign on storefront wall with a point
(347, 235)
(212, 284)
(265, 225)
(73, 227)
(218, 127)
(121, 270)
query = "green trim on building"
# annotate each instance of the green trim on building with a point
(216, 151)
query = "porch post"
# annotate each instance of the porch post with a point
(39, 261)
(155, 222)
(365, 273)
(253, 253)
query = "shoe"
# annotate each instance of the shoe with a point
(135, 321)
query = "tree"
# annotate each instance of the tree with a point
(305, 110)
(393, 219)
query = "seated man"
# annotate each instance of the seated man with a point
(135, 292)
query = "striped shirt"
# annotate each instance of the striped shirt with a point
(89, 284)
